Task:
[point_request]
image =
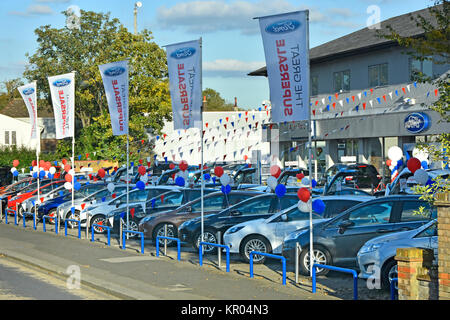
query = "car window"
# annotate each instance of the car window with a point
(297, 215)
(137, 195)
(411, 211)
(209, 204)
(283, 203)
(168, 200)
(154, 192)
(255, 206)
(334, 207)
(372, 214)
(431, 231)
(235, 198)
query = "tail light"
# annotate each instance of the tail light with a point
(348, 178)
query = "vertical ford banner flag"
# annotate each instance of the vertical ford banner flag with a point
(184, 63)
(286, 47)
(115, 81)
(62, 89)
(28, 93)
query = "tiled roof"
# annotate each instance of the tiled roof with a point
(17, 109)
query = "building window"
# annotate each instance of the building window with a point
(10, 138)
(341, 81)
(314, 85)
(418, 69)
(378, 75)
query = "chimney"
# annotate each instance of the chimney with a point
(235, 104)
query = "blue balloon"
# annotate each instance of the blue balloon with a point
(35, 175)
(41, 174)
(214, 180)
(313, 183)
(424, 164)
(77, 186)
(180, 181)
(318, 206)
(50, 176)
(16, 173)
(280, 190)
(207, 176)
(140, 185)
(226, 189)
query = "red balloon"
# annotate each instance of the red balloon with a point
(245, 157)
(300, 176)
(41, 163)
(388, 162)
(64, 161)
(142, 171)
(15, 163)
(275, 171)
(67, 167)
(101, 173)
(304, 194)
(34, 163)
(413, 165)
(172, 166)
(218, 171)
(183, 165)
(68, 178)
(47, 166)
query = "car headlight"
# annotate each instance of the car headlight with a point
(370, 248)
(294, 235)
(146, 219)
(235, 229)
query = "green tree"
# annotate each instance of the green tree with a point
(214, 102)
(101, 40)
(434, 45)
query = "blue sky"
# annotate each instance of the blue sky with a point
(232, 44)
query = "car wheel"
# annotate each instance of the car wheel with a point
(20, 212)
(99, 220)
(389, 272)
(133, 226)
(75, 216)
(321, 256)
(52, 213)
(254, 243)
(159, 231)
(210, 236)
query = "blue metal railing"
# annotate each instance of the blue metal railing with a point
(49, 218)
(25, 214)
(134, 232)
(15, 215)
(6, 216)
(351, 271)
(200, 252)
(72, 220)
(283, 261)
(393, 289)
(169, 238)
(108, 229)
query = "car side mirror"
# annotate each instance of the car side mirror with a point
(344, 225)
(284, 217)
(189, 209)
(235, 213)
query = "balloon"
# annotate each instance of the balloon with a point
(179, 181)
(395, 153)
(52, 170)
(67, 167)
(389, 162)
(111, 186)
(304, 206)
(424, 164)
(226, 189)
(318, 206)
(313, 183)
(280, 190)
(272, 182)
(77, 186)
(140, 185)
(300, 176)
(305, 181)
(303, 194)
(67, 185)
(142, 171)
(64, 161)
(422, 155)
(207, 176)
(144, 178)
(218, 171)
(35, 175)
(225, 179)
(183, 165)
(101, 173)
(15, 163)
(41, 174)
(421, 176)
(275, 171)
(34, 163)
(68, 178)
(245, 157)
(13, 169)
(172, 166)
(413, 164)
(50, 176)
(16, 173)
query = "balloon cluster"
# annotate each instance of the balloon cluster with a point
(182, 176)
(224, 178)
(14, 169)
(272, 181)
(415, 166)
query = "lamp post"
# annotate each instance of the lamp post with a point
(136, 6)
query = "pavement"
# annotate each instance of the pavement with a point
(130, 275)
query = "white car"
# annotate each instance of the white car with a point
(405, 181)
(267, 235)
(27, 205)
(376, 256)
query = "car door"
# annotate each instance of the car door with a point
(410, 217)
(363, 223)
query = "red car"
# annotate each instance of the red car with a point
(18, 199)
(16, 186)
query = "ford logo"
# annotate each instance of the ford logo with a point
(417, 122)
(28, 91)
(61, 83)
(114, 71)
(283, 26)
(183, 53)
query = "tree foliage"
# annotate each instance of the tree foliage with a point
(214, 102)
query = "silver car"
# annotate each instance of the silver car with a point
(376, 257)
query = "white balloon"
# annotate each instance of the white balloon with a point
(35, 169)
(225, 179)
(111, 186)
(67, 185)
(304, 206)
(272, 182)
(422, 155)
(395, 153)
(421, 176)
(305, 181)
(72, 172)
(52, 170)
(13, 169)
(144, 178)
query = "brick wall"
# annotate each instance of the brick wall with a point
(443, 204)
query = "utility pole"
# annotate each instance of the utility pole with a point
(136, 6)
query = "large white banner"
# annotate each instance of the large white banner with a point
(286, 47)
(28, 93)
(185, 72)
(116, 82)
(62, 89)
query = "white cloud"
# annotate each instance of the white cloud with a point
(53, 1)
(35, 9)
(230, 68)
(220, 15)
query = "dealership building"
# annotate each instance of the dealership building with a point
(364, 99)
